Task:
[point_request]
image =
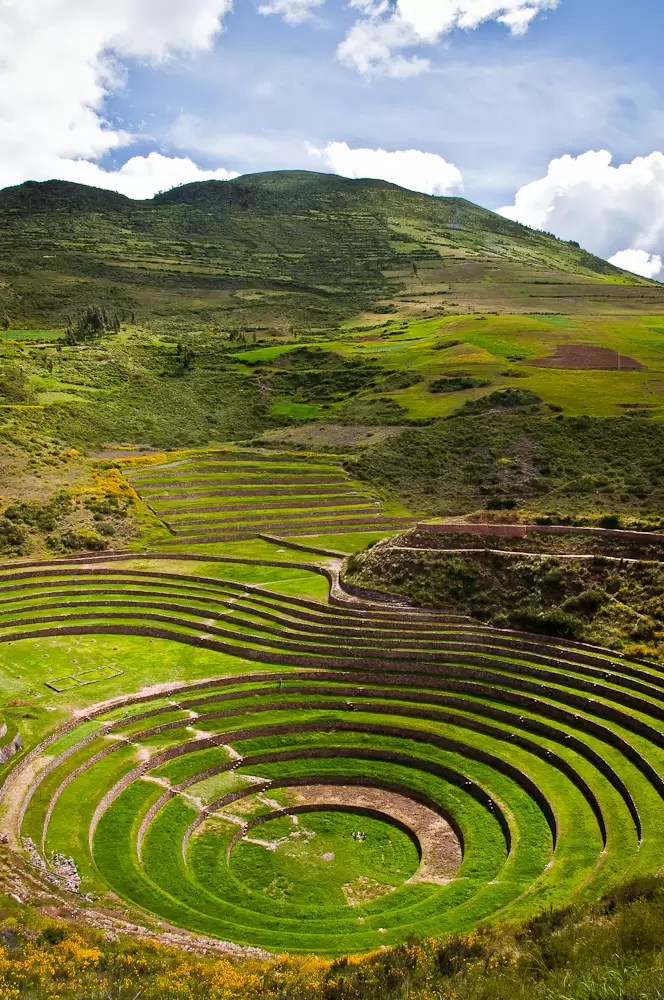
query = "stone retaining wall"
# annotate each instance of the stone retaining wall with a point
(522, 530)
(466, 652)
(8, 750)
(533, 725)
(311, 518)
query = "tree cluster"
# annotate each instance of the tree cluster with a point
(91, 324)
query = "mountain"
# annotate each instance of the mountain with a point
(285, 249)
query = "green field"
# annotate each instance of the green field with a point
(29, 335)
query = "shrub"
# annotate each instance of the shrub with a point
(500, 399)
(14, 386)
(642, 652)
(13, 539)
(556, 622)
(588, 601)
(353, 563)
(457, 382)
(74, 540)
(444, 344)
(41, 516)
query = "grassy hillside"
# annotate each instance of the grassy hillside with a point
(283, 250)
(523, 456)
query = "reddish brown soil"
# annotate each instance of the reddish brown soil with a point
(587, 357)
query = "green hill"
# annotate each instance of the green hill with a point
(321, 313)
(288, 248)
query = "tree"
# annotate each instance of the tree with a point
(6, 322)
(186, 355)
(91, 323)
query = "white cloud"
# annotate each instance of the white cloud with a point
(605, 208)
(59, 60)
(410, 168)
(141, 176)
(375, 42)
(292, 11)
(649, 265)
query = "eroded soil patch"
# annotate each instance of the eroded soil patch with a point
(587, 357)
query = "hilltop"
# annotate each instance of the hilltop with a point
(285, 250)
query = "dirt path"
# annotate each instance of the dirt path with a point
(441, 850)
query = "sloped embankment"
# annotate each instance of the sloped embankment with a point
(599, 598)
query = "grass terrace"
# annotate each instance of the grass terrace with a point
(233, 495)
(317, 775)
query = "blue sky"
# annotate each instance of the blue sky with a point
(216, 89)
(499, 106)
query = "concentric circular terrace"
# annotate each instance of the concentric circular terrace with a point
(491, 773)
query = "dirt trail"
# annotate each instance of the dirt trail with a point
(441, 851)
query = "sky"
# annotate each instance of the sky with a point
(549, 111)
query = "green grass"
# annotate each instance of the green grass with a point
(31, 335)
(297, 870)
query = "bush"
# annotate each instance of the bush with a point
(557, 622)
(14, 386)
(642, 652)
(588, 602)
(41, 516)
(499, 400)
(457, 382)
(444, 344)
(501, 503)
(13, 539)
(75, 540)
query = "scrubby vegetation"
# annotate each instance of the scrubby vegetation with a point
(613, 949)
(96, 515)
(456, 381)
(264, 251)
(606, 601)
(555, 465)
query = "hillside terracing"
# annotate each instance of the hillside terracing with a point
(231, 495)
(533, 765)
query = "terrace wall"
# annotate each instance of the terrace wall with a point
(522, 530)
